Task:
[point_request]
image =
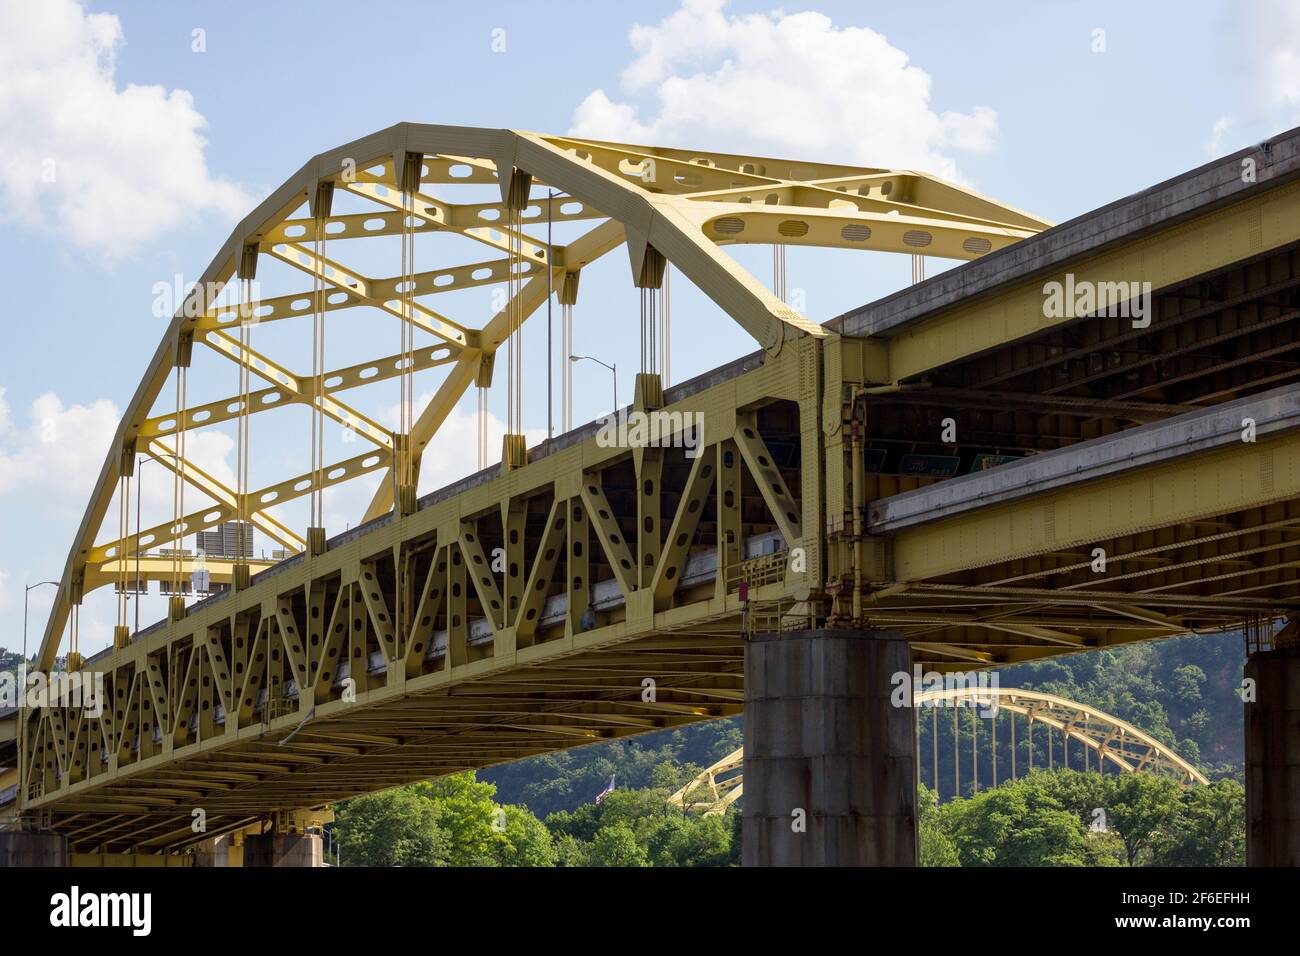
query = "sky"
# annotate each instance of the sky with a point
(135, 135)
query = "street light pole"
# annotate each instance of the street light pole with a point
(613, 368)
(26, 592)
(22, 697)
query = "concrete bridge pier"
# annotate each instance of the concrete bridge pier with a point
(830, 763)
(33, 848)
(284, 849)
(1272, 759)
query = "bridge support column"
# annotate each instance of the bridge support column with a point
(1272, 759)
(214, 851)
(830, 764)
(283, 849)
(33, 848)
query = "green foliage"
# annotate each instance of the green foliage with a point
(568, 779)
(1068, 818)
(664, 835)
(1142, 806)
(1183, 692)
(449, 821)
(616, 845)
(469, 817)
(1014, 825)
(525, 841)
(1207, 830)
(937, 846)
(393, 828)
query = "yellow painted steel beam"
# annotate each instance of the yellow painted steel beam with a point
(369, 291)
(302, 388)
(161, 452)
(204, 519)
(1167, 257)
(159, 568)
(1201, 486)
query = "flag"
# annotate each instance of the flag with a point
(608, 790)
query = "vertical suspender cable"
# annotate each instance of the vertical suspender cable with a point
(517, 306)
(1029, 741)
(318, 409)
(178, 480)
(550, 294)
(993, 729)
(245, 416)
(934, 742)
(482, 427)
(956, 753)
(778, 271)
(565, 351)
(566, 320)
(123, 529)
(1011, 719)
(405, 323)
(666, 337)
(317, 287)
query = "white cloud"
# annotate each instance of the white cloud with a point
(453, 453)
(1213, 147)
(1265, 47)
(126, 163)
(55, 456)
(793, 84)
(58, 452)
(1273, 38)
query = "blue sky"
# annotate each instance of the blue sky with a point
(1052, 107)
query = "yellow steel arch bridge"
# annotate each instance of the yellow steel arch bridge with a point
(1116, 744)
(951, 463)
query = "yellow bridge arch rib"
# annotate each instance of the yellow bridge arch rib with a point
(669, 205)
(1119, 743)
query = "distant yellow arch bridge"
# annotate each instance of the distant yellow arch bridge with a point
(1113, 743)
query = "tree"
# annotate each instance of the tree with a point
(936, 846)
(1142, 805)
(616, 845)
(1014, 826)
(570, 851)
(469, 816)
(525, 840)
(693, 840)
(393, 828)
(1208, 829)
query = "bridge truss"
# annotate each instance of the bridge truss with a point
(628, 577)
(1123, 747)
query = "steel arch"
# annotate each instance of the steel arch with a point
(1130, 750)
(666, 204)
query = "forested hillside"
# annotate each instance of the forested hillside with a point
(1183, 691)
